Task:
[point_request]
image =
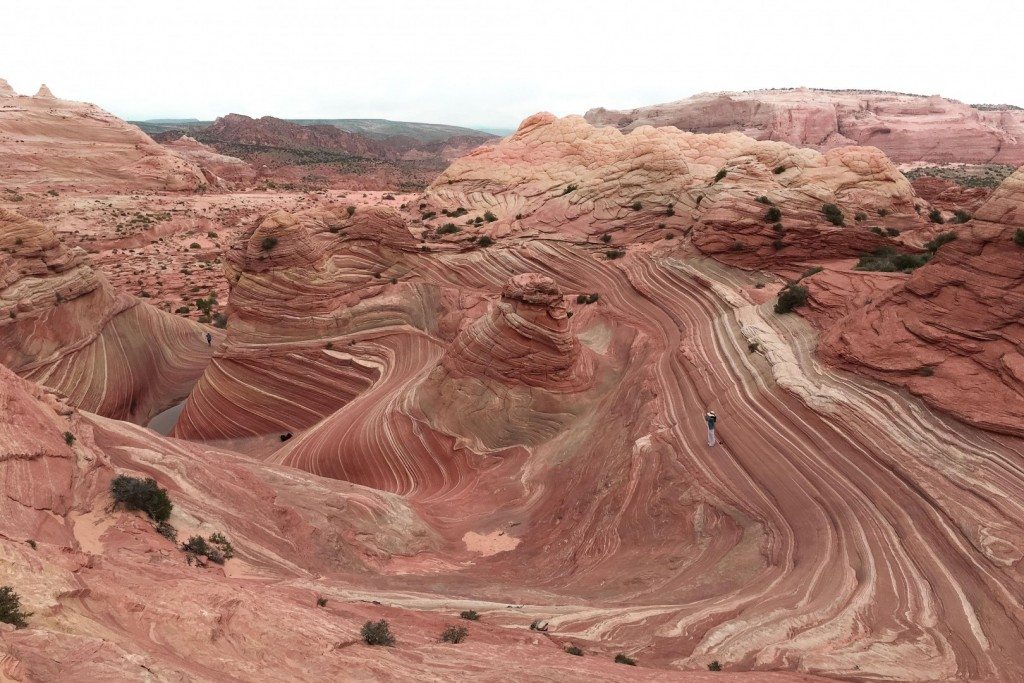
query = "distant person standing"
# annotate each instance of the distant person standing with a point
(711, 419)
(209, 339)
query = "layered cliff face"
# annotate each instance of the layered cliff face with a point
(747, 202)
(50, 143)
(62, 325)
(952, 333)
(906, 127)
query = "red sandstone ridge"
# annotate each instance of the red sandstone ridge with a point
(268, 131)
(46, 142)
(906, 127)
(747, 202)
(952, 333)
(64, 326)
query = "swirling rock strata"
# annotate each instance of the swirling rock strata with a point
(63, 325)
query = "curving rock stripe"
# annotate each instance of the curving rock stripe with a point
(63, 325)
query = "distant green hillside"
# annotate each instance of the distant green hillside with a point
(372, 128)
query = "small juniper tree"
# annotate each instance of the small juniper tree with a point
(454, 634)
(10, 608)
(377, 633)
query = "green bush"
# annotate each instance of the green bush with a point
(792, 296)
(142, 494)
(489, 217)
(961, 216)
(721, 174)
(860, 216)
(773, 215)
(470, 615)
(10, 608)
(623, 659)
(268, 243)
(764, 200)
(484, 241)
(670, 211)
(715, 666)
(878, 231)
(940, 240)
(833, 214)
(936, 216)
(377, 633)
(637, 206)
(1018, 237)
(882, 213)
(321, 602)
(892, 232)
(350, 210)
(69, 438)
(569, 188)
(454, 634)
(888, 260)
(448, 229)
(606, 238)
(575, 651)
(780, 169)
(613, 254)
(223, 544)
(166, 530)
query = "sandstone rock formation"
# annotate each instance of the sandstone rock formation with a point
(564, 177)
(951, 333)
(64, 326)
(50, 143)
(906, 127)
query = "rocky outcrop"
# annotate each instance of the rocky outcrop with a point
(906, 127)
(951, 333)
(747, 202)
(64, 326)
(238, 129)
(50, 143)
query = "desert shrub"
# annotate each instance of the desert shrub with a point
(470, 615)
(581, 298)
(377, 633)
(883, 213)
(168, 531)
(484, 241)
(888, 260)
(715, 666)
(670, 210)
(592, 299)
(183, 310)
(220, 320)
(753, 347)
(940, 240)
(623, 659)
(195, 245)
(773, 215)
(223, 544)
(764, 200)
(961, 216)
(792, 296)
(935, 216)
(737, 246)
(489, 217)
(833, 214)
(606, 238)
(926, 371)
(573, 650)
(892, 232)
(670, 236)
(860, 216)
(142, 494)
(613, 254)
(52, 193)
(811, 271)
(569, 188)
(721, 174)
(778, 244)
(779, 228)
(196, 545)
(212, 235)
(448, 229)
(268, 243)
(427, 215)
(637, 206)
(69, 438)
(350, 210)
(1018, 237)
(321, 602)
(878, 231)
(454, 634)
(10, 608)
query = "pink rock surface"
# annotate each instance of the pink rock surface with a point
(906, 127)
(46, 142)
(951, 333)
(64, 326)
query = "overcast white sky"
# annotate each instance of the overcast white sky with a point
(491, 63)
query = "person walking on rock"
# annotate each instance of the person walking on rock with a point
(711, 418)
(209, 339)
